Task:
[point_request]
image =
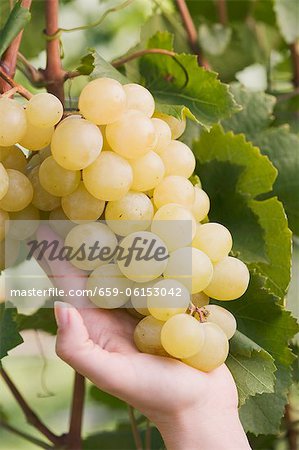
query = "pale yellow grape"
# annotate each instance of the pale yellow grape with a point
(38, 158)
(19, 194)
(178, 159)
(223, 318)
(23, 224)
(36, 138)
(96, 235)
(139, 295)
(109, 177)
(13, 158)
(148, 172)
(214, 350)
(182, 336)
(80, 205)
(103, 101)
(175, 224)
(42, 199)
(174, 189)
(201, 204)
(13, 122)
(200, 299)
(111, 287)
(214, 240)
(177, 126)
(190, 267)
(133, 212)
(134, 265)
(56, 180)
(230, 279)
(163, 133)
(147, 336)
(133, 135)
(76, 144)
(4, 224)
(169, 298)
(60, 223)
(44, 110)
(4, 181)
(139, 98)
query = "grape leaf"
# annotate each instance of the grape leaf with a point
(43, 319)
(235, 174)
(281, 146)
(9, 334)
(287, 13)
(106, 399)
(16, 21)
(121, 439)
(94, 65)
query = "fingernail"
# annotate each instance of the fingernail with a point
(61, 311)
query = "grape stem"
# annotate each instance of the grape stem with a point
(222, 12)
(12, 84)
(135, 431)
(74, 436)
(160, 51)
(202, 312)
(294, 48)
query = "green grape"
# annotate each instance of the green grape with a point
(60, 223)
(214, 240)
(109, 177)
(24, 224)
(148, 172)
(139, 98)
(176, 126)
(4, 224)
(178, 159)
(175, 224)
(36, 138)
(13, 122)
(147, 336)
(174, 189)
(139, 295)
(132, 136)
(214, 350)
(147, 269)
(200, 299)
(88, 236)
(190, 267)
(42, 199)
(163, 133)
(182, 336)
(4, 181)
(201, 204)
(13, 158)
(168, 298)
(103, 101)
(111, 287)
(223, 318)
(56, 180)
(134, 212)
(230, 279)
(44, 110)
(76, 144)
(19, 194)
(82, 206)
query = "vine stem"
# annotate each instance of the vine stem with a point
(12, 84)
(134, 427)
(74, 436)
(23, 435)
(292, 434)
(294, 48)
(222, 11)
(158, 51)
(30, 415)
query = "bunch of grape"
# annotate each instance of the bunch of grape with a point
(111, 173)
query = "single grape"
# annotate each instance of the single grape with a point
(13, 158)
(108, 287)
(140, 99)
(163, 133)
(148, 172)
(177, 126)
(4, 181)
(214, 240)
(139, 295)
(56, 180)
(175, 224)
(37, 158)
(223, 318)
(19, 194)
(4, 224)
(36, 138)
(23, 224)
(201, 205)
(76, 144)
(44, 110)
(109, 177)
(182, 336)
(147, 336)
(230, 279)
(42, 199)
(200, 299)
(144, 256)
(134, 212)
(169, 297)
(178, 159)
(214, 350)
(103, 101)
(60, 223)
(132, 136)
(190, 267)
(13, 122)
(174, 189)
(80, 205)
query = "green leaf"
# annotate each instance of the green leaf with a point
(16, 21)
(235, 174)
(121, 439)
(9, 334)
(94, 65)
(106, 399)
(251, 366)
(43, 319)
(287, 13)
(215, 38)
